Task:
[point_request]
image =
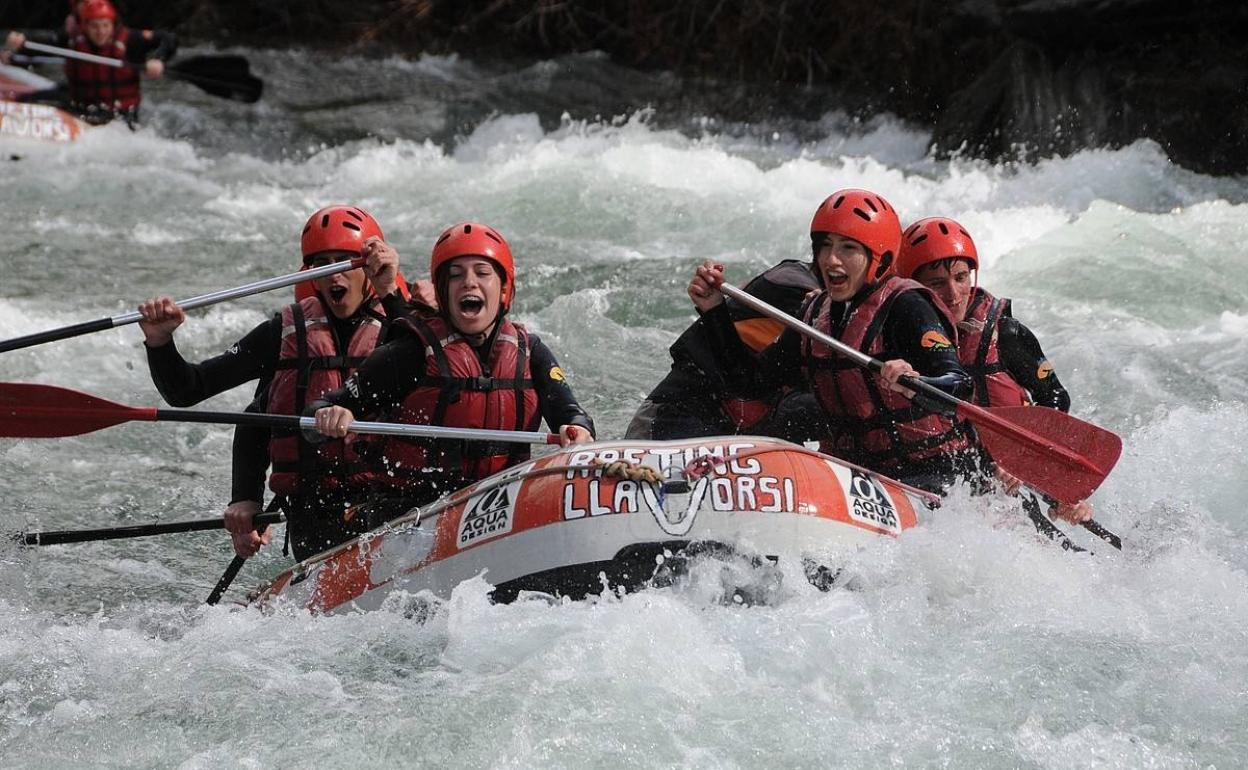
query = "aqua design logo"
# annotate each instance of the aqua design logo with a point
(866, 500)
(491, 513)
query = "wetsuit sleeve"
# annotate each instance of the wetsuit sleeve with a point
(777, 365)
(250, 455)
(148, 44)
(558, 403)
(185, 384)
(380, 383)
(1024, 360)
(917, 333)
(394, 306)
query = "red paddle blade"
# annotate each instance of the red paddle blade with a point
(1062, 456)
(46, 411)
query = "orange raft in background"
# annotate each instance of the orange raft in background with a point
(23, 120)
(564, 522)
(40, 122)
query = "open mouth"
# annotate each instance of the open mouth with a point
(836, 280)
(471, 305)
(337, 293)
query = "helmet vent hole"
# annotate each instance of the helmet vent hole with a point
(919, 240)
(325, 220)
(871, 205)
(444, 237)
(944, 229)
(493, 237)
(863, 214)
(355, 213)
(837, 203)
(467, 229)
(964, 232)
(352, 226)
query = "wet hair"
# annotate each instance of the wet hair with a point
(947, 263)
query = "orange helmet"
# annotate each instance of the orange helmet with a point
(932, 240)
(863, 216)
(97, 9)
(338, 228)
(472, 239)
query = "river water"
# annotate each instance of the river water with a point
(966, 643)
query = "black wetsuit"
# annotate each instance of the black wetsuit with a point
(1020, 354)
(689, 401)
(911, 316)
(254, 357)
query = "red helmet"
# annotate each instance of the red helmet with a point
(471, 239)
(863, 216)
(931, 240)
(97, 9)
(338, 228)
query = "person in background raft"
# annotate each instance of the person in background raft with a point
(693, 400)
(298, 353)
(98, 92)
(469, 367)
(870, 420)
(1002, 356)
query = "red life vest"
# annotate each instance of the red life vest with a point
(874, 427)
(456, 392)
(977, 349)
(115, 89)
(309, 365)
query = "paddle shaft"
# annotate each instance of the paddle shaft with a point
(970, 411)
(975, 414)
(36, 60)
(70, 53)
(60, 537)
(236, 564)
(241, 87)
(290, 422)
(203, 300)
(1090, 525)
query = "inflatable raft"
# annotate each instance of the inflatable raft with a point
(40, 122)
(567, 522)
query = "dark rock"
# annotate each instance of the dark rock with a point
(1022, 105)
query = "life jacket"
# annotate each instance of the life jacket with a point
(977, 349)
(456, 392)
(113, 89)
(785, 286)
(875, 427)
(311, 363)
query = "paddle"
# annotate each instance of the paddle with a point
(28, 410)
(226, 76)
(62, 536)
(1062, 456)
(1089, 525)
(203, 300)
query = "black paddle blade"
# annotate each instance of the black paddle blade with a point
(228, 77)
